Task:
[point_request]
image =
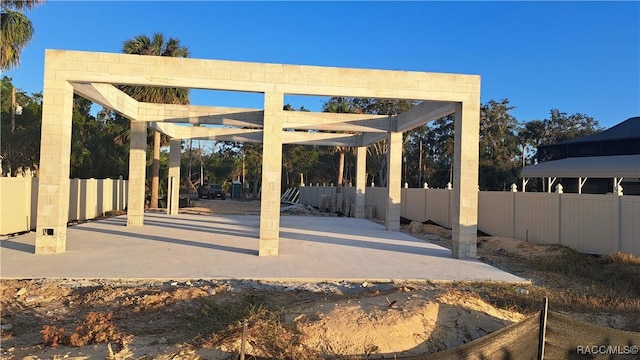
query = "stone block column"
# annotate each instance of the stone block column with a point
(394, 186)
(137, 173)
(271, 174)
(361, 180)
(55, 155)
(464, 216)
(173, 183)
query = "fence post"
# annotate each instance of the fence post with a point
(617, 228)
(513, 215)
(543, 328)
(559, 191)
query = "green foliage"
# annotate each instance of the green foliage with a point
(505, 145)
(156, 46)
(96, 147)
(16, 31)
(20, 147)
(498, 161)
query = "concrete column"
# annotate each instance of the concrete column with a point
(394, 186)
(55, 155)
(137, 173)
(464, 214)
(271, 174)
(173, 183)
(361, 180)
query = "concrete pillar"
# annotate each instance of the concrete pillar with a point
(361, 180)
(464, 215)
(271, 174)
(394, 186)
(137, 173)
(173, 183)
(55, 155)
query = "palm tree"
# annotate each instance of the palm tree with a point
(16, 31)
(339, 105)
(156, 46)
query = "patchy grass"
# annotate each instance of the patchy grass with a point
(574, 282)
(266, 337)
(221, 325)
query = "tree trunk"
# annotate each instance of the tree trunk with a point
(155, 171)
(340, 171)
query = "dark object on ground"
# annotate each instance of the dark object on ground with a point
(211, 191)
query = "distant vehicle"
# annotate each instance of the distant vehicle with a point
(211, 191)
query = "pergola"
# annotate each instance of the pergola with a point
(95, 76)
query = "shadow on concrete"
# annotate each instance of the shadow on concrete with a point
(173, 241)
(17, 246)
(203, 229)
(211, 219)
(324, 238)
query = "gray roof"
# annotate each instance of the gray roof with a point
(627, 129)
(627, 166)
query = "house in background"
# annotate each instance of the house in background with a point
(594, 164)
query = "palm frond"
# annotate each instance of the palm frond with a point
(16, 30)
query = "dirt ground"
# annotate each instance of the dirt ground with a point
(201, 319)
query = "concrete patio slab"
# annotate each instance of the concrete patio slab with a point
(226, 247)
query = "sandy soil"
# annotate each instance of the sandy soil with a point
(154, 320)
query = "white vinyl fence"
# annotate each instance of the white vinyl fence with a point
(594, 224)
(88, 199)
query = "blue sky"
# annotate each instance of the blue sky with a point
(575, 56)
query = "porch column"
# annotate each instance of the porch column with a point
(173, 183)
(137, 173)
(464, 216)
(271, 174)
(55, 155)
(394, 186)
(361, 180)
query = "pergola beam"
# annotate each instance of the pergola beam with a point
(368, 139)
(423, 113)
(109, 97)
(196, 114)
(320, 139)
(255, 135)
(335, 121)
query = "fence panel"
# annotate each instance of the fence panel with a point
(34, 203)
(379, 201)
(74, 199)
(496, 213)
(15, 204)
(349, 194)
(88, 199)
(588, 223)
(439, 206)
(597, 224)
(630, 224)
(537, 217)
(413, 206)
